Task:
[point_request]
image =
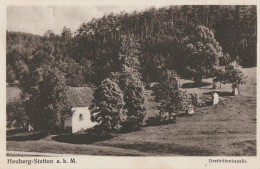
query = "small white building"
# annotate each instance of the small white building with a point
(80, 120)
(215, 98)
(80, 99)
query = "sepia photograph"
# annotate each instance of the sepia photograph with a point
(144, 80)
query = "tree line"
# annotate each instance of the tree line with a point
(162, 33)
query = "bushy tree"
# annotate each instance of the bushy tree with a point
(133, 89)
(47, 103)
(107, 106)
(232, 74)
(203, 53)
(169, 94)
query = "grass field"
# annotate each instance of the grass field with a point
(225, 129)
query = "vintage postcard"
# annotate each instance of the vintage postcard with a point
(119, 84)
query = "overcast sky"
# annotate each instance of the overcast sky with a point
(38, 20)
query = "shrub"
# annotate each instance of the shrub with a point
(195, 99)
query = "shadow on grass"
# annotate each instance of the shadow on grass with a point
(220, 93)
(82, 138)
(194, 85)
(158, 121)
(15, 131)
(28, 136)
(207, 97)
(128, 130)
(166, 148)
(184, 115)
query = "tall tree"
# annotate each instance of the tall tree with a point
(134, 99)
(107, 106)
(130, 82)
(203, 53)
(169, 94)
(48, 102)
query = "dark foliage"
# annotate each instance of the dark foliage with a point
(16, 115)
(92, 52)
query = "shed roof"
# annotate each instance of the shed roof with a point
(80, 96)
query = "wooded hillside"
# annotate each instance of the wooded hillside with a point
(91, 52)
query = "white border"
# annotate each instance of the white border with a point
(110, 161)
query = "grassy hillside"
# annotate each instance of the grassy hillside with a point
(227, 129)
(212, 130)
